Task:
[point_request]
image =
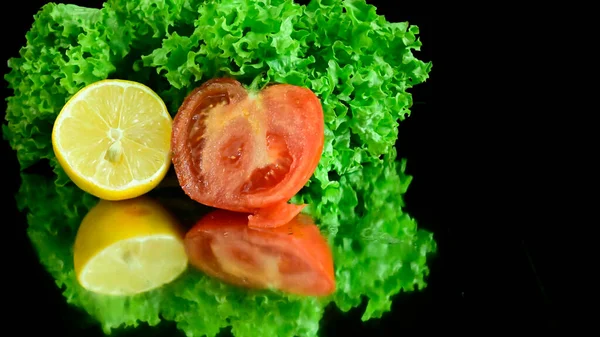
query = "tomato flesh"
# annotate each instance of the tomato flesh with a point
(244, 151)
(292, 258)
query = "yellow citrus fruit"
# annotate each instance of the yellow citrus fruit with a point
(128, 247)
(113, 139)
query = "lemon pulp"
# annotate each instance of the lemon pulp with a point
(128, 247)
(113, 139)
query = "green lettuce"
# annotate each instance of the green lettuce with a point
(361, 67)
(379, 253)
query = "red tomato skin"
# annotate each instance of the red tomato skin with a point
(298, 250)
(291, 119)
(274, 216)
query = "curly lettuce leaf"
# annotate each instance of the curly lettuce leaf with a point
(52, 229)
(69, 47)
(380, 250)
(36, 77)
(149, 20)
(360, 65)
(202, 306)
(381, 253)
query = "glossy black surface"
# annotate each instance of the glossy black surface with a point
(458, 299)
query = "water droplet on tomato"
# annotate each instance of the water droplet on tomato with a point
(226, 234)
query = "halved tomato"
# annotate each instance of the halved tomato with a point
(244, 151)
(292, 258)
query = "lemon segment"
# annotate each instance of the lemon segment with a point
(128, 247)
(113, 139)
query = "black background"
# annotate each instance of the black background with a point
(466, 292)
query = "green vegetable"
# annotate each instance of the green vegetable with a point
(358, 64)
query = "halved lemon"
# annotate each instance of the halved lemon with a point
(113, 139)
(128, 247)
